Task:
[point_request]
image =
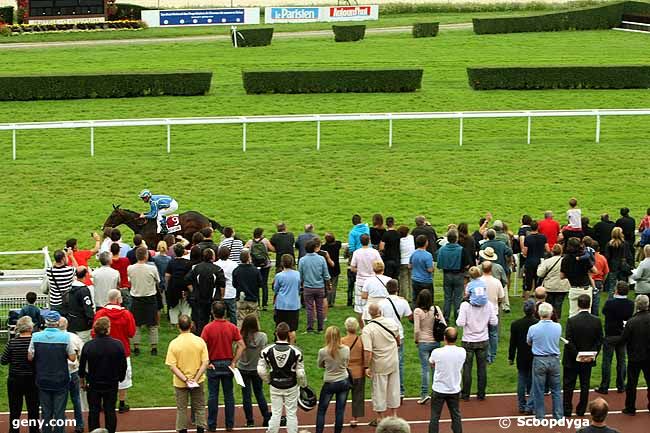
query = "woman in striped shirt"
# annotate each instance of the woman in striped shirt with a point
(21, 380)
(60, 277)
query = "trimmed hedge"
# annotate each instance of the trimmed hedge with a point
(349, 33)
(602, 17)
(125, 11)
(333, 81)
(36, 87)
(7, 14)
(560, 77)
(252, 37)
(111, 25)
(425, 30)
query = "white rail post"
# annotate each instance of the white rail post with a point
(529, 125)
(390, 130)
(244, 135)
(460, 139)
(169, 136)
(317, 132)
(13, 143)
(597, 127)
(92, 140)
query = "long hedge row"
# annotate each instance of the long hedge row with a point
(37, 87)
(594, 18)
(332, 81)
(559, 77)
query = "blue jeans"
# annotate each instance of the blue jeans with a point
(400, 352)
(479, 350)
(252, 380)
(53, 408)
(546, 370)
(76, 400)
(220, 375)
(493, 342)
(610, 284)
(231, 309)
(424, 352)
(454, 289)
(524, 384)
(595, 299)
(340, 390)
(609, 348)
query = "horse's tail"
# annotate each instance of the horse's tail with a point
(215, 225)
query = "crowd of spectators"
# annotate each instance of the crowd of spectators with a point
(214, 293)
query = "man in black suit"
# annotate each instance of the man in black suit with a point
(520, 349)
(637, 338)
(603, 231)
(585, 334)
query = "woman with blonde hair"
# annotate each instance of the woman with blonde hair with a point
(619, 259)
(334, 358)
(355, 366)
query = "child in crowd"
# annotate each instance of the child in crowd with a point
(574, 216)
(32, 311)
(476, 290)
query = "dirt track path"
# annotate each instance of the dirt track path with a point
(182, 39)
(483, 417)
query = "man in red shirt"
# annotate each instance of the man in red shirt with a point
(599, 277)
(549, 228)
(82, 256)
(122, 329)
(220, 335)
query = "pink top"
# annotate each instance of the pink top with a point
(423, 321)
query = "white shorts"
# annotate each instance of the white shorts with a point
(359, 304)
(127, 382)
(173, 207)
(385, 391)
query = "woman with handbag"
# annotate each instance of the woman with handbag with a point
(548, 273)
(355, 368)
(334, 358)
(426, 318)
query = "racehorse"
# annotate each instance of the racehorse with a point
(191, 222)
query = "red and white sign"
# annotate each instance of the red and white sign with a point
(353, 13)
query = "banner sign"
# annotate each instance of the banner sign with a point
(309, 14)
(201, 17)
(292, 15)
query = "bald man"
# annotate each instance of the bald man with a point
(380, 339)
(540, 297)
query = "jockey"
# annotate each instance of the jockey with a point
(161, 206)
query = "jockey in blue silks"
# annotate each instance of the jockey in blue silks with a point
(160, 206)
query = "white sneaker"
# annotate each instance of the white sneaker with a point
(425, 399)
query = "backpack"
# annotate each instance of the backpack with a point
(259, 253)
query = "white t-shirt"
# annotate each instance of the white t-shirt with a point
(575, 218)
(406, 248)
(77, 344)
(362, 259)
(228, 266)
(495, 290)
(376, 286)
(403, 309)
(448, 362)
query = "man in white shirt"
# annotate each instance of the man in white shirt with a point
(496, 295)
(374, 289)
(361, 264)
(447, 362)
(104, 279)
(77, 394)
(229, 293)
(396, 308)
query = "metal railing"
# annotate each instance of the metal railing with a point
(317, 119)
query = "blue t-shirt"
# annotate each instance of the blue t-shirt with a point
(421, 260)
(544, 337)
(477, 291)
(287, 290)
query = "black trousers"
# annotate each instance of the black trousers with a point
(452, 400)
(102, 399)
(634, 370)
(202, 316)
(19, 388)
(571, 374)
(391, 268)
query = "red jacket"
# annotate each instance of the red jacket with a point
(122, 324)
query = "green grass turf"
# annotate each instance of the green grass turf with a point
(392, 20)
(55, 190)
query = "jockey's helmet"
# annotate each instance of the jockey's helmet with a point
(145, 193)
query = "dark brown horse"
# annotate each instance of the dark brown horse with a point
(191, 222)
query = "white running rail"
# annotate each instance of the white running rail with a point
(317, 118)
